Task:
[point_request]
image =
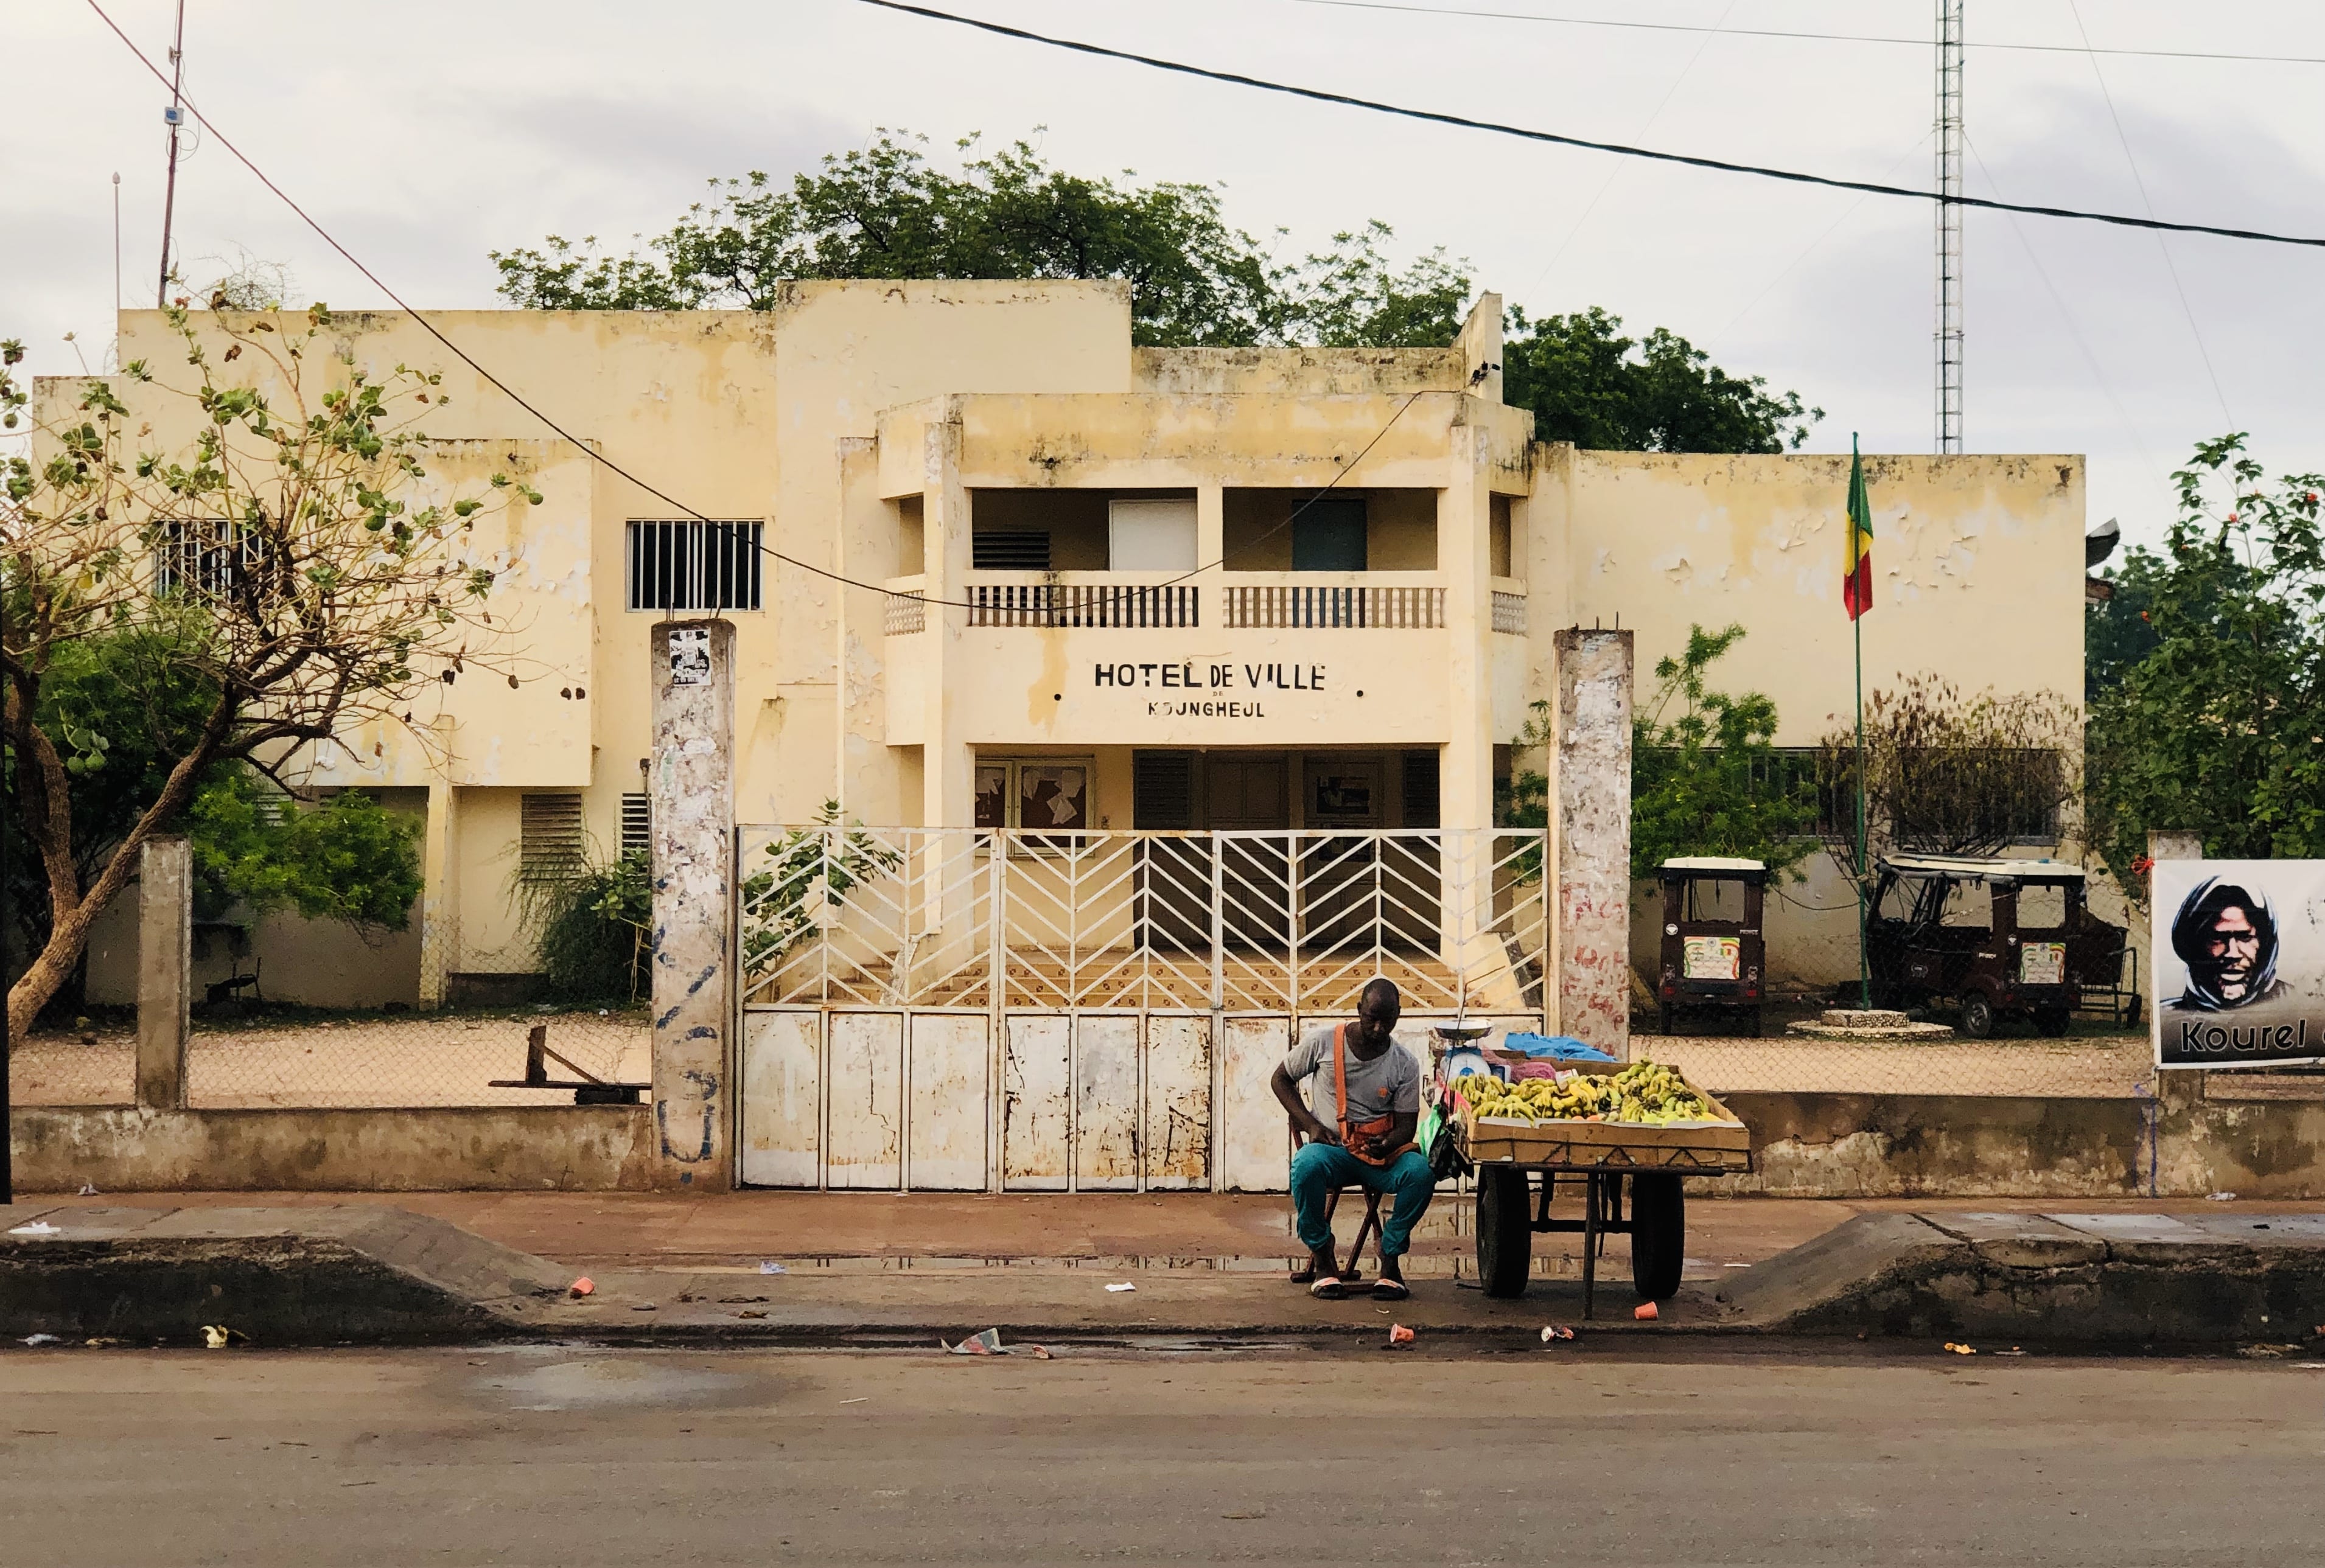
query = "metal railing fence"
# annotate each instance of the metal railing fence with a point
(1266, 921)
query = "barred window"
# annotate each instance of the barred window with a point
(203, 556)
(692, 565)
(637, 823)
(552, 847)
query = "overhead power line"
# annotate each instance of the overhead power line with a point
(590, 451)
(1464, 122)
(1818, 37)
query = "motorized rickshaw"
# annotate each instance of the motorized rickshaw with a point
(1713, 952)
(1995, 936)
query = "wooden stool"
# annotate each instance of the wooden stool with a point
(1350, 1273)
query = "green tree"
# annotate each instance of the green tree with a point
(128, 704)
(347, 859)
(271, 567)
(1706, 779)
(885, 211)
(2220, 727)
(1588, 383)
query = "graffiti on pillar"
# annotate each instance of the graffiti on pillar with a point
(698, 1099)
(690, 656)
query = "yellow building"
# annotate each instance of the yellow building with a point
(1090, 586)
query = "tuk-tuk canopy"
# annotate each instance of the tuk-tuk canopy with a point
(1981, 868)
(1713, 865)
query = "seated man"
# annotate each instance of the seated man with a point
(1364, 1109)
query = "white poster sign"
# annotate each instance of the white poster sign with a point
(2239, 963)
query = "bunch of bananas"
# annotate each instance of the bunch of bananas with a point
(1645, 1093)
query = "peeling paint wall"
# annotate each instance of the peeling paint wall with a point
(1593, 837)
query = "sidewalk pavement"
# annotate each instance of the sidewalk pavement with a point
(875, 1233)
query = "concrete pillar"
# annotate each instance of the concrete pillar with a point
(439, 897)
(1463, 556)
(2174, 844)
(1591, 824)
(694, 790)
(949, 767)
(1211, 545)
(165, 970)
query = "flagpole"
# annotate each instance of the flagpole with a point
(1857, 631)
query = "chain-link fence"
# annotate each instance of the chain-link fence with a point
(284, 1059)
(2085, 1063)
(68, 1064)
(300, 1058)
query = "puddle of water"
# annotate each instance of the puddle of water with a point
(613, 1383)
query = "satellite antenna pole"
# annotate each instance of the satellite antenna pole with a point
(175, 116)
(1950, 226)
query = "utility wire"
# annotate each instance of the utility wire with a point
(595, 455)
(2067, 318)
(2171, 266)
(1821, 37)
(1612, 174)
(1464, 122)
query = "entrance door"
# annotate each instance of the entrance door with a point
(1339, 895)
(1244, 791)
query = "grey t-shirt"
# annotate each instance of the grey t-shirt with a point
(1389, 1082)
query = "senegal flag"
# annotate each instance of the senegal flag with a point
(1856, 579)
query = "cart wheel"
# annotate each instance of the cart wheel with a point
(1663, 1019)
(2052, 1021)
(1505, 1231)
(2131, 1011)
(1753, 1028)
(1976, 1016)
(1658, 1234)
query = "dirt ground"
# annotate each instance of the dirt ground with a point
(372, 1060)
(419, 1060)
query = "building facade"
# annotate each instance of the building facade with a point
(989, 565)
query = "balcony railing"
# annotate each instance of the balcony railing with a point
(1334, 604)
(1083, 605)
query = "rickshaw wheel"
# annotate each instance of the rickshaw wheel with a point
(1976, 1016)
(2052, 1021)
(1753, 1028)
(1505, 1231)
(1658, 1234)
(1664, 1018)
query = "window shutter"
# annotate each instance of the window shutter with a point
(550, 843)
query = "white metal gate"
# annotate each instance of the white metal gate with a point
(981, 1009)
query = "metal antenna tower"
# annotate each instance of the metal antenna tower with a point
(1950, 225)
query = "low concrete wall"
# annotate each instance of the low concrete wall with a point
(528, 1149)
(1822, 1146)
(1905, 1146)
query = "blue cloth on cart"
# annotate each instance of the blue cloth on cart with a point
(1558, 1047)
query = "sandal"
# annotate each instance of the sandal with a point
(1329, 1288)
(1391, 1290)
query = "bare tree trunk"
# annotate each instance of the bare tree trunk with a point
(71, 914)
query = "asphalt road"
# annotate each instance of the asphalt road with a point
(1565, 1455)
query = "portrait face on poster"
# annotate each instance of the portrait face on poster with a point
(2239, 963)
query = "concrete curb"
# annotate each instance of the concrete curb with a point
(376, 1276)
(2132, 1280)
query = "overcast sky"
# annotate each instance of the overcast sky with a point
(426, 133)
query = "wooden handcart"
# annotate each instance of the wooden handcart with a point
(1609, 1156)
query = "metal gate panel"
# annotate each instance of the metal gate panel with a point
(951, 1081)
(1106, 1102)
(864, 1128)
(1254, 1152)
(1177, 1142)
(782, 1097)
(1036, 1102)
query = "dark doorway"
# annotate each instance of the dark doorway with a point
(1328, 535)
